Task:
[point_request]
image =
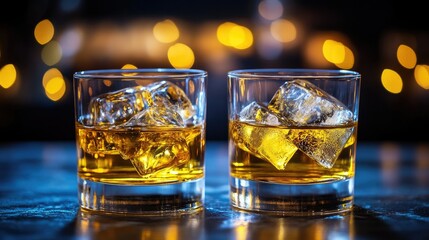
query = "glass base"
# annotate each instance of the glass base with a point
(292, 199)
(168, 199)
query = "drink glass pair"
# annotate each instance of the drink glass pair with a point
(141, 140)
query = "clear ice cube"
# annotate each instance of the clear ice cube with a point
(169, 95)
(304, 104)
(117, 107)
(151, 152)
(255, 112)
(321, 144)
(267, 143)
(156, 117)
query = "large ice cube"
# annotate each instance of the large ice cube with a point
(167, 94)
(117, 107)
(305, 104)
(151, 152)
(321, 144)
(268, 143)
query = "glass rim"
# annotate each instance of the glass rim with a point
(142, 73)
(288, 73)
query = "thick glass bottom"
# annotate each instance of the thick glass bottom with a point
(168, 199)
(292, 199)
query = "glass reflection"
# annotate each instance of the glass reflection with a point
(390, 157)
(248, 226)
(422, 165)
(96, 226)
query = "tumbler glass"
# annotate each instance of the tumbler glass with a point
(292, 140)
(140, 137)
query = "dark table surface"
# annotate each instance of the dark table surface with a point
(38, 200)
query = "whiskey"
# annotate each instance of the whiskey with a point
(140, 156)
(292, 155)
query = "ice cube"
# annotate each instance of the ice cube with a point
(268, 143)
(96, 142)
(156, 117)
(255, 112)
(305, 104)
(117, 107)
(321, 144)
(160, 104)
(151, 152)
(169, 95)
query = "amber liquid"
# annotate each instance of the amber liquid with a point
(275, 154)
(140, 156)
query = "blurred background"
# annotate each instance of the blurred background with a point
(42, 43)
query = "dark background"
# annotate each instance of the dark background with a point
(374, 28)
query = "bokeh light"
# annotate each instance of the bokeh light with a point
(406, 56)
(283, 30)
(270, 9)
(421, 74)
(166, 31)
(44, 31)
(334, 51)
(50, 74)
(7, 75)
(51, 53)
(55, 88)
(349, 59)
(391, 81)
(181, 56)
(127, 66)
(234, 35)
(54, 84)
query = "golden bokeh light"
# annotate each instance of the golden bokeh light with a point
(406, 56)
(7, 75)
(334, 51)
(349, 59)
(326, 48)
(222, 32)
(50, 74)
(55, 88)
(283, 30)
(54, 85)
(234, 35)
(44, 31)
(166, 31)
(129, 66)
(51, 53)
(270, 9)
(181, 56)
(421, 74)
(391, 81)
